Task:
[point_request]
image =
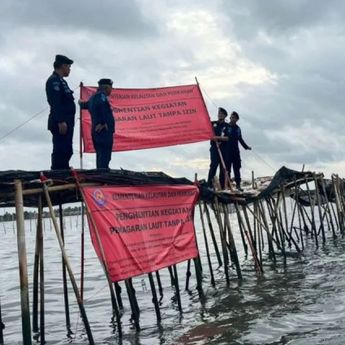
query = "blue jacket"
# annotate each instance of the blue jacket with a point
(220, 129)
(101, 113)
(61, 101)
(235, 136)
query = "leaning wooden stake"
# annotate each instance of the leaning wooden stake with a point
(206, 244)
(23, 268)
(41, 256)
(64, 276)
(68, 266)
(2, 326)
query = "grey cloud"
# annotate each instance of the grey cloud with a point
(118, 18)
(280, 17)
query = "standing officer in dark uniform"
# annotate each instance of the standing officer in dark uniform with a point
(221, 131)
(62, 112)
(103, 122)
(232, 156)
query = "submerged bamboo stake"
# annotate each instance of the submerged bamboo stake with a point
(133, 303)
(41, 256)
(232, 245)
(35, 280)
(206, 245)
(177, 290)
(222, 239)
(64, 276)
(2, 327)
(68, 266)
(160, 288)
(154, 298)
(23, 268)
(214, 241)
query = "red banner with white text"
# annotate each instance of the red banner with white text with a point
(142, 228)
(148, 118)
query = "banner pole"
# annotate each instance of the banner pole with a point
(81, 128)
(82, 239)
(227, 178)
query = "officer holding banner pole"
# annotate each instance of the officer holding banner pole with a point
(218, 148)
(103, 122)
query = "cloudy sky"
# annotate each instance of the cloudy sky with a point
(278, 63)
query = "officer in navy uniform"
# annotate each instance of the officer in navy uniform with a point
(232, 156)
(221, 134)
(62, 112)
(103, 122)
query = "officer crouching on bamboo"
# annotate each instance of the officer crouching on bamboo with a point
(102, 122)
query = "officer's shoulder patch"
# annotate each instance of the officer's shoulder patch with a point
(56, 85)
(103, 97)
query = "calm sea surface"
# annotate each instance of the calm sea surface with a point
(302, 303)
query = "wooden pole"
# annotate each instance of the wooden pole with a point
(64, 275)
(23, 268)
(41, 256)
(2, 327)
(206, 244)
(154, 298)
(68, 266)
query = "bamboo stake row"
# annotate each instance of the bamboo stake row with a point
(263, 229)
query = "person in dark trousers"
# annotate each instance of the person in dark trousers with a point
(221, 134)
(62, 112)
(233, 156)
(102, 122)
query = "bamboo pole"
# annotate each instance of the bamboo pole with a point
(35, 280)
(23, 268)
(68, 266)
(214, 241)
(206, 245)
(154, 298)
(64, 276)
(222, 239)
(41, 256)
(2, 327)
(177, 290)
(232, 244)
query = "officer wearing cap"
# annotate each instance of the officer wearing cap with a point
(221, 136)
(62, 112)
(102, 122)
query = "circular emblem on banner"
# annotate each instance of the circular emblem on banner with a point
(99, 197)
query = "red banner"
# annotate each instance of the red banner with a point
(142, 229)
(147, 118)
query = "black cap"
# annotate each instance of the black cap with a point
(105, 81)
(62, 60)
(222, 110)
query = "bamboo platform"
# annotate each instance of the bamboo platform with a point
(268, 231)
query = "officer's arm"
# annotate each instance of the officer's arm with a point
(83, 104)
(100, 113)
(54, 99)
(245, 146)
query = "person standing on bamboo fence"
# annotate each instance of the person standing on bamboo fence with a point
(103, 122)
(232, 155)
(62, 113)
(218, 147)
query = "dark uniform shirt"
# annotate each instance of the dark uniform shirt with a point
(101, 113)
(61, 101)
(235, 136)
(220, 129)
